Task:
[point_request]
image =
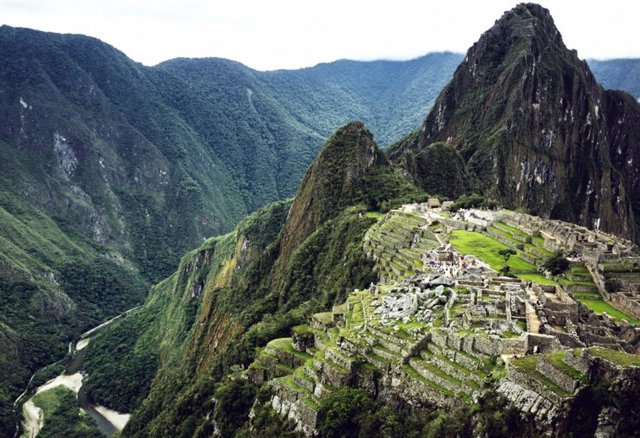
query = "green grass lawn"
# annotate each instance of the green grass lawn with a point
(514, 230)
(486, 248)
(599, 306)
(539, 241)
(374, 215)
(619, 357)
(580, 270)
(538, 278)
(576, 283)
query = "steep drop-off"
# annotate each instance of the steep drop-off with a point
(239, 291)
(108, 167)
(535, 129)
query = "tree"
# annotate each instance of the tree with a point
(557, 264)
(506, 254)
(613, 285)
(341, 412)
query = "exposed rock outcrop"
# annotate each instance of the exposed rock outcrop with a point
(536, 130)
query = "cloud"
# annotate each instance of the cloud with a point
(295, 33)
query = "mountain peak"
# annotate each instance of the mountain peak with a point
(527, 29)
(527, 19)
(331, 181)
(534, 128)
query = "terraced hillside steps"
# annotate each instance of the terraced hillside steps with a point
(531, 247)
(397, 244)
(436, 355)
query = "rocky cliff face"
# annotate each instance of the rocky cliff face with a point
(536, 130)
(331, 182)
(250, 286)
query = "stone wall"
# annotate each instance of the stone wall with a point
(303, 340)
(344, 362)
(451, 224)
(579, 361)
(578, 288)
(288, 405)
(514, 345)
(494, 346)
(522, 378)
(556, 376)
(394, 339)
(416, 393)
(564, 296)
(285, 357)
(529, 401)
(545, 343)
(566, 339)
(626, 304)
(439, 338)
(256, 375)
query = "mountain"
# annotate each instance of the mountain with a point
(279, 328)
(238, 291)
(535, 129)
(111, 171)
(390, 97)
(618, 74)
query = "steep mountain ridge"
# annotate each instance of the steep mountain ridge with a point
(535, 129)
(331, 183)
(107, 141)
(108, 167)
(239, 291)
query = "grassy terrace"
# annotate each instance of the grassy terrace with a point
(617, 357)
(598, 306)
(538, 278)
(374, 215)
(413, 373)
(514, 230)
(286, 344)
(532, 249)
(568, 282)
(528, 365)
(619, 267)
(486, 248)
(557, 360)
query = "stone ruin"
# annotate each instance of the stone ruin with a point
(409, 301)
(472, 316)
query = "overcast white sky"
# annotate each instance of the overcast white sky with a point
(272, 34)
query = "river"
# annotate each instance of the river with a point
(107, 420)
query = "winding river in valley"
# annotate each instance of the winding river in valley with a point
(108, 421)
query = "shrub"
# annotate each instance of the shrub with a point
(613, 285)
(557, 264)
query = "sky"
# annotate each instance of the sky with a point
(275, 34)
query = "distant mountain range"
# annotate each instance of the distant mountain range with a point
(111, 171)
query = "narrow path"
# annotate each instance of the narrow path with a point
(533, 322)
